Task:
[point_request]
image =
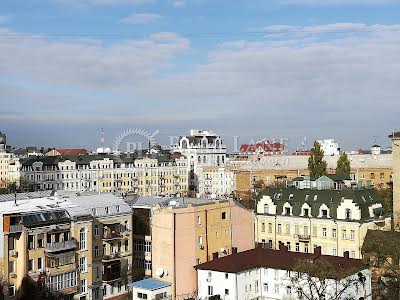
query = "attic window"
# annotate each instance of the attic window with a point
(325, 213)
(290, 196)
(307, 196)
(315, 197)
(371, 198)
(287, 210)
(363, 198)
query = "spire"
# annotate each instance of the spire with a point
(102, 137)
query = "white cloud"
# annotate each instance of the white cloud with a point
(87, 3)
(141, 18)
(5, 18)
(177, 3)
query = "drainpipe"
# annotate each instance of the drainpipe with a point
(359, 240)
(275, 232)
(206, 238)
(174, 255)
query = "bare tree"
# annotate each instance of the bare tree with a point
(317, 279)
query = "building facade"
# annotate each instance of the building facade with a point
(201, 148)
(188, 233)
(79, 246)
(335, 220)
(106, 173)
(268, 274)
(217, 181)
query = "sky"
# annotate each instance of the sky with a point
(277, 69)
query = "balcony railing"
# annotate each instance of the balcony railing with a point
(112, 235)
(16, 228)
(303, 237)
(112, 256)
(61, 246)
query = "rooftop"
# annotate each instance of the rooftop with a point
(149, 201)
(149, 284)
(276, 259)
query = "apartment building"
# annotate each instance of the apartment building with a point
(201, 148)
(218, 181)
(5, 160)
(303, 219)
(187, 232)
(368, 170)
(78, 246)
(107, 173)
(271, 274)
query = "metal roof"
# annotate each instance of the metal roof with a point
(150, 284)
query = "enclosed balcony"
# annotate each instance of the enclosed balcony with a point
(61, 246)
(112, 271)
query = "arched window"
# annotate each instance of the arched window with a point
(348, 213)
(217, 160)
(204, 143)
(82, 239)
(204, 159)
(223, 159)
(266, 209)
(199, 159)
(184, 144)
(217, 144)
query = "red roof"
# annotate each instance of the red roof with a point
(275, 259)
(72, 151)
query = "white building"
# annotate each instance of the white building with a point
(201, 148)
(330, 147)
(150, 288)
(214, 180)
(266, 274)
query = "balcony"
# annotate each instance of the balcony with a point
(61, 246)
(16, 228)
(111, 257)
(112, 235)
(112, 272)
(303, 237)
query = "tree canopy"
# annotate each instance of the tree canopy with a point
(316, 164)
(343, 165)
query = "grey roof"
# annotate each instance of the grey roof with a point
(22, 196)
(363, 198)
(149, 201)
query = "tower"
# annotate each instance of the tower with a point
(396, 178)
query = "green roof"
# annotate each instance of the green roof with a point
(363, 198)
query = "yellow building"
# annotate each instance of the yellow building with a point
(5, 160)
(187, 232)
(335, 220)
(79, 246)
(373, 170)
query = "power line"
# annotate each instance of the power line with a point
(270, 32)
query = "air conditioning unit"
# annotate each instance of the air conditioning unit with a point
(14, 253)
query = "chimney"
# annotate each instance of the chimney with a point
(346, 254)
(317, 251)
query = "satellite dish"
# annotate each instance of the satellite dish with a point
(159, 272)
(172, 203)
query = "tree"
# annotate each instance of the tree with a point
(316, 164)
(343, 165)
(317, 279)
(36, 290)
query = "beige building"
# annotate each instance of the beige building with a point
(335, 220)
(188, 232)
(78, 246)
(396, 178)
(5, 160)
(217, 181)
(373, 170)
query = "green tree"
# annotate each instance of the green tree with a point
(316, 164)
(343, 165)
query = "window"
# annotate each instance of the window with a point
(306, 230)
(287, 210)
(344, 234)
(256, 286)
(63, 281)
(279, 228)
(353, 254)
(223, 216)
(296, 229)
(96, 230)
(324, 213)
(352, 234)
(324, 232)
(200, 240)
(198, 220)
(262, 227)
(82, 264)
(31, 265)
(348, 213)
(334, 233)
(31, 242)
(269, 227)
(288, 246)
(210, 290)
(288, 229)
(40, 243)
(266, 209)
(96, 251)
(276, 289)
(119, 286)
(96, 293)
(40, 263)
(83, 286)
(226, 292)
(82, 239)
(315, 231)
(11, 290)
(306, 247)
(127, 246)
(265, 287)
(334, 253)
(297, 247)
(226, 275)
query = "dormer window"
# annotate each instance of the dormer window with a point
(324, 213)
(279, 196)
(306, 212)
(291, 197)
(348, 213)
(315, 197)
(307, 196)
(266, 209)
(287, 210)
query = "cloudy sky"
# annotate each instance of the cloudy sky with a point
(256, 68)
